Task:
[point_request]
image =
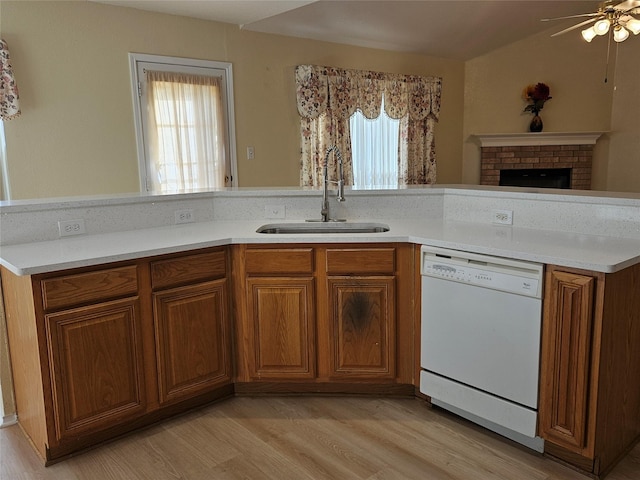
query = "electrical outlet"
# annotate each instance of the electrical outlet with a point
(274, 211)
(502, 217)
(185, 216)
(71, 227)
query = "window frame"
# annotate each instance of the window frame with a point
(137, 61)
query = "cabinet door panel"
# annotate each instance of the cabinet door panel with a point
(566, 359)
(362, 326)
(96, 366)
(281, 313)
(191, 339)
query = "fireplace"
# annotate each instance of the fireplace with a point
(540, 177)
(544, 160)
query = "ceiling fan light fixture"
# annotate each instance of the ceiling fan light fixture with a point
(633, 24)
(620, 34)
(589, 34)
(601, 27)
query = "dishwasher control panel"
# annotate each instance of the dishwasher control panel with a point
(523, 278)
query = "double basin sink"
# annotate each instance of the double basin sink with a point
(323, 227)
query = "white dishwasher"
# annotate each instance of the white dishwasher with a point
(480, 339)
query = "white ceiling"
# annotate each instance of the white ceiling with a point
(456, 29)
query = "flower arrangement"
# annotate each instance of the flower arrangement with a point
(536, 94)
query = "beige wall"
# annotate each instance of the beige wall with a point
(582, 101)
(624, 152)
(76, 134)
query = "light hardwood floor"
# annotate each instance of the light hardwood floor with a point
(302, 438)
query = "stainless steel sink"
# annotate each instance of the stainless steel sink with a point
(323, 227)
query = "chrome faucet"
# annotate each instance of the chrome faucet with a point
(324, 212)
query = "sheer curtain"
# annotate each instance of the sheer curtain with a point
(327, 97)
(186, 132)
(374, 145)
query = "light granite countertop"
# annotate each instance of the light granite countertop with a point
(591, 252)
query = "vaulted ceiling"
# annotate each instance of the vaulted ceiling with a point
(455, 29)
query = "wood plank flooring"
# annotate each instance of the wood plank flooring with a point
(302, 438)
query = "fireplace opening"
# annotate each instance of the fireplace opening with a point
(536, 177)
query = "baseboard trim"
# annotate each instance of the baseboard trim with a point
(9, 420)
(334, 388)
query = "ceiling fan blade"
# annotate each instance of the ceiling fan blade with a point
(581, 24)
(571, 16)
(628, 5)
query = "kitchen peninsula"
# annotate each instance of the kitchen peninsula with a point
(123, 305)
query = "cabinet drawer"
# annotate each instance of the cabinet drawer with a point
(88, 287)
(361, 260)
(188, 269)
(279, 260)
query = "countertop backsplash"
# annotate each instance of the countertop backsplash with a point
(584, 212)
(591, 213)
(23, 222)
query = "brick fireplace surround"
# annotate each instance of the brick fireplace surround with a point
(538, 151)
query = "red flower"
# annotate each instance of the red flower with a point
(540, 92)
(537, 94)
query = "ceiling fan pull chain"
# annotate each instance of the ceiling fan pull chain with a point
(606, 70)
(615, 69)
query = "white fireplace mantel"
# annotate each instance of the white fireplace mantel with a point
(541, 138)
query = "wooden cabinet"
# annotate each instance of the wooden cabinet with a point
(77, 346)
(590, 366)
(361, 310)
(281, 315)
(279, 301)
(102, 350)
(567, 354)
(191, 325)
(94, 346)
(99, 351)
(96, 369)
(324, 318)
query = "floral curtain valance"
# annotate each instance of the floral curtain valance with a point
(9, 106)
(341, 92)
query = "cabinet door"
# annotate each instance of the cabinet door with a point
(96, 366)
(362, 327)
(566, 360)
(191, 326)
(281, 314)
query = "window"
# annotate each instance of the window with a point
(328, 97)
(184, 123)
(374, 150)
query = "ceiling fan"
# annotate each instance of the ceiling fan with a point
(612, 15)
